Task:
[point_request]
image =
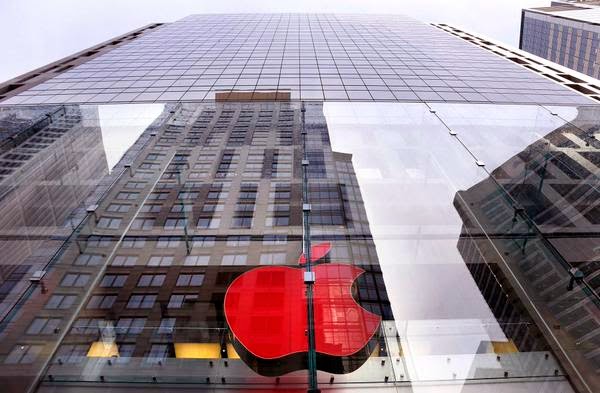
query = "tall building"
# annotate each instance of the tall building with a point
(187, 169)
(566, 32)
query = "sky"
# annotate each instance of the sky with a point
(34, 33)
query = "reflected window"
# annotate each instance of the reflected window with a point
(88, 260)
(118, 208)
(74, 280)
(72, 353)
(44, 326)
(144, 224)
(124, 260)
(209, 223)
(167, 325)
(60, 302)
(151, 208)
(178, 300)
(23, 354)
(151, 280)
(191, 280)
(130, 326)
(168, 242)
(141, 301)
(234, 259)
(196, 260)
(272, 259)
(274, 240)
(238, 241)
(109, 223)
(127, 195)
(113, 280)
(101, 301)
(203, 241)
(158, 353)
(160, 260)
(133, 242)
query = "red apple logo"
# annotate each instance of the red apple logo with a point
(266, 310)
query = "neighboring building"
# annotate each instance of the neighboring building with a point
(566, 32)
(244, 133)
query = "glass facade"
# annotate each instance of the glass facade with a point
(156, 268)
(308, 56)
(234, 239)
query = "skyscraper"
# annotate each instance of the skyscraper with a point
(566, 32)
(222, 149)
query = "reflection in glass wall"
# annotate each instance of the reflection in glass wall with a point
(453, 245)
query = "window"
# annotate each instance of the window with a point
(44, 326)
(88, 260)
(212, 207)
(209, 223)
(124, 260)
(135, 184)
(101, 301)
(98, 241)
(60, 302)
(144, 224)
(175, 223)
(187, 195)
(151, 208)
(23, 354)
(74, 280)
(118, 208)
(272, 259)
(177, 301)
(274, 240)
(125, 353)
(72, 353)
(158, 196)
(158, 353)
(127, 195)
(180, 207)
(130, 326)
(190, 280)
(113, 280)
(196, 260)
(167, 325)
(160, 260)
(241, 222)
(234, 259)
(141, 301)
(151, 280)
(168, 242)
(87, 326)
(277, 221)
(133, 242)
(238, 241)
(203, 241)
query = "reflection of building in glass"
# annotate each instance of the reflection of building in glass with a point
(48, 167)
(540, 210)
(218, 191)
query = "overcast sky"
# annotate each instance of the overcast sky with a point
(36, 32)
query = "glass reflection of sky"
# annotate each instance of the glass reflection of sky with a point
(121, 126)
(409, 169)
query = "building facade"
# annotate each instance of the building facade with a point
(566, 32)
(385, 146)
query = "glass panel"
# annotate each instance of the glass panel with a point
(442, 240)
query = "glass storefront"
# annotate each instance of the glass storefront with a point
(453, 246)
